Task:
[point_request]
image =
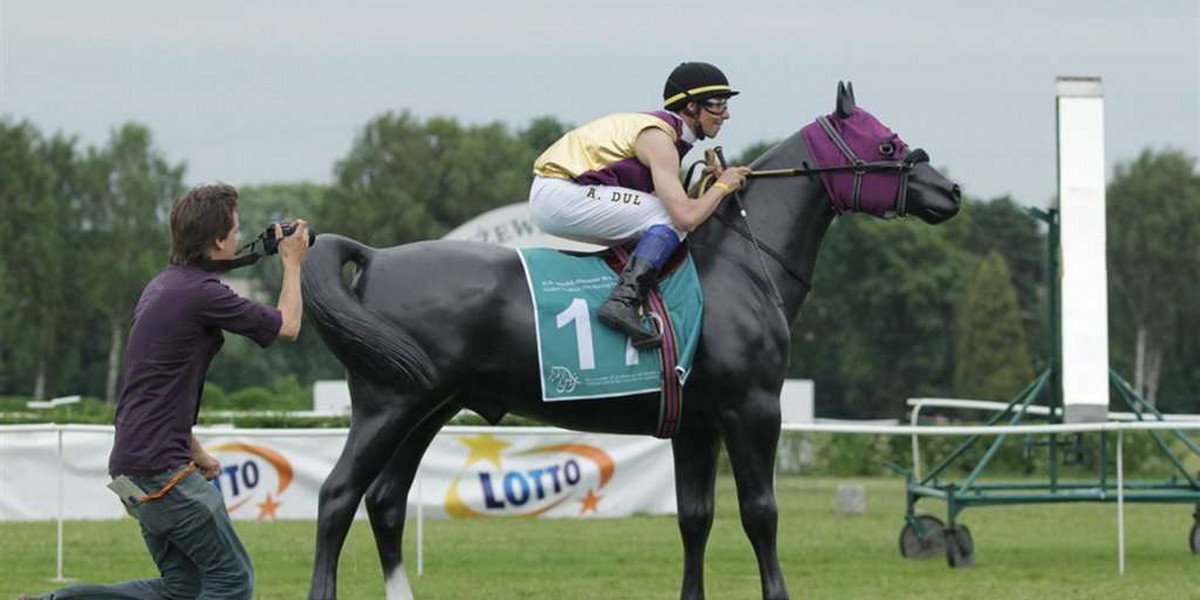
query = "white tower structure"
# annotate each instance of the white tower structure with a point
(1082, 263)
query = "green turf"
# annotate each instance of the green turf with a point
(1039, 552)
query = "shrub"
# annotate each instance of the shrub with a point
(252, 398)
(214, 397)
(290, 395)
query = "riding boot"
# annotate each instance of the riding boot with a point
(622, 310)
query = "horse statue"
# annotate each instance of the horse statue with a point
(429, 328)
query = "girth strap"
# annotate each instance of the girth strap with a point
(670, 407)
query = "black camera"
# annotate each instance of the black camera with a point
(270, 243)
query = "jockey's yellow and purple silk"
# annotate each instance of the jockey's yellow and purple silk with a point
(604, 151)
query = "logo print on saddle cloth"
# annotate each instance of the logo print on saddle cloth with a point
(579, 358)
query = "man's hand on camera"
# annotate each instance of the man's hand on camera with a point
(293, 248)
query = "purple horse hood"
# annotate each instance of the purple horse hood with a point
(869, 139)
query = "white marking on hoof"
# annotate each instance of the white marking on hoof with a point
(397, 585)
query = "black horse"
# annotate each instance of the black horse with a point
(429, 328)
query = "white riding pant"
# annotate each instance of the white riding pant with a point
(595, 214)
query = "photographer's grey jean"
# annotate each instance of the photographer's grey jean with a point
(191, 539)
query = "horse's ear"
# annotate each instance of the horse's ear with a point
(850, 89)
(845, 100)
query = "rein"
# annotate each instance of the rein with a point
(749, 235)
(715, 156)
(779, 258)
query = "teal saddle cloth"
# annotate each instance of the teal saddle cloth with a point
(579, 357)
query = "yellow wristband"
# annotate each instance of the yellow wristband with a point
(723, 187)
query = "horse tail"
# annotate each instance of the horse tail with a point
(359, 337)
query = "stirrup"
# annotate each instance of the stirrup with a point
(639, 336)
(653, 341)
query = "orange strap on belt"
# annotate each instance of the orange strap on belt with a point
(175, 479)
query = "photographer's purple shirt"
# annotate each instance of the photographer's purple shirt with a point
(175, 334)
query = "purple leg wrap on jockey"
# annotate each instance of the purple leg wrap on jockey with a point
(656, 245)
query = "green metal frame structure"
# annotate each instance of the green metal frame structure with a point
(925, 535)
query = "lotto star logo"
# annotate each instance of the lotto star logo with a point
(529, 483)
(251, 475)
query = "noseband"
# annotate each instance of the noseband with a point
(851, 163)
(861, 168)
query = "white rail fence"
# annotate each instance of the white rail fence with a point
(1121, 423)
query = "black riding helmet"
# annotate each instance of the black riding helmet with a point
(694, 82)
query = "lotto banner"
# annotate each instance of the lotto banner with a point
(468, 473)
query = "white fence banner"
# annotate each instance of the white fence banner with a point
(468, 472)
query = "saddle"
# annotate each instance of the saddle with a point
(579, 358)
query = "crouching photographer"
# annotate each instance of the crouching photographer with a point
(159, 470)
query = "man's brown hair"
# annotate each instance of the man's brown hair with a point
(200, 217)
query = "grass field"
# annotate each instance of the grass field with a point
(1058, 552)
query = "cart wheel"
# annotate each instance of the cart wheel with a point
(912, 545)
(960, 548)
(1194, 538)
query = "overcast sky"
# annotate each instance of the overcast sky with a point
(255, 91)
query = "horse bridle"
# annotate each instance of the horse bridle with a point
(860, 168)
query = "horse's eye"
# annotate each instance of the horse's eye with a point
(887, 149)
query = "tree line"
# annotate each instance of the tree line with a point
(897, 309)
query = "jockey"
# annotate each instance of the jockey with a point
(616, 179)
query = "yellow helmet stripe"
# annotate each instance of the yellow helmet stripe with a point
(699, 90)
